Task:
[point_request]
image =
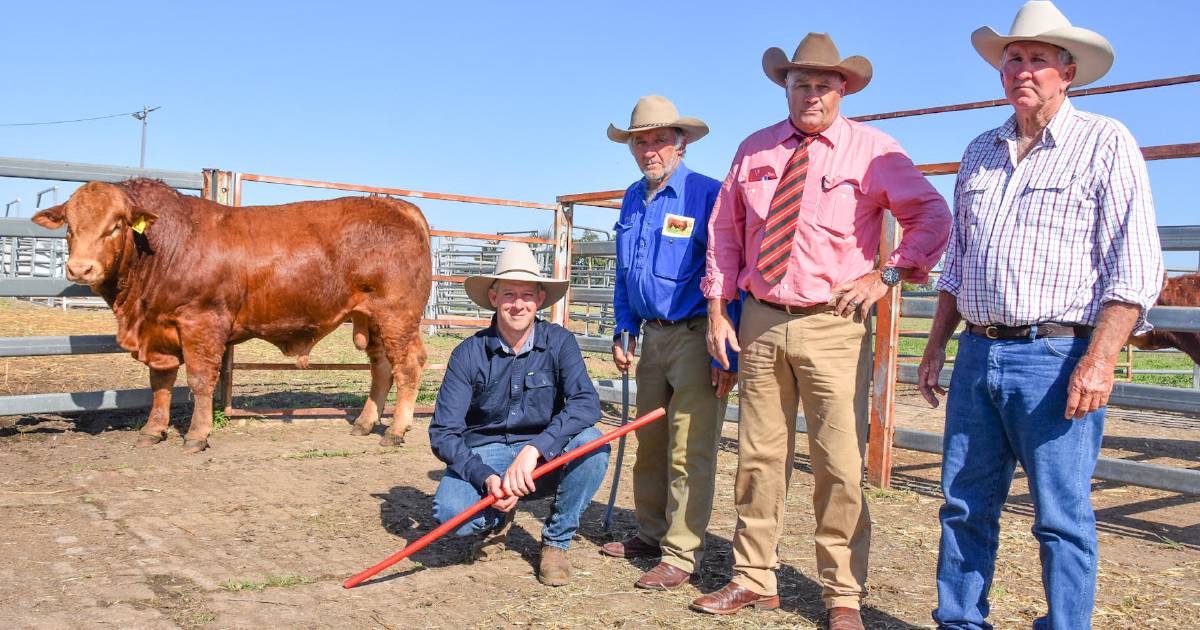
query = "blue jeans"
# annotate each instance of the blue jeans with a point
(572, 487)
(1006, 404)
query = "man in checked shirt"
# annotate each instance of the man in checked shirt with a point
(796, 225)
(1054, 259)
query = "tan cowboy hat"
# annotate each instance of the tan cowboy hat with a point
(1041, 21)
(516, 263)
(657, 111)
(817, 52)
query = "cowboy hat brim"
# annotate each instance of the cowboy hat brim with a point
(477, 287)
(693, 129)
(1093, 54)
(856, 69)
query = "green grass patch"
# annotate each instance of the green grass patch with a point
(274, 581)
(316, 454)
(219, 419)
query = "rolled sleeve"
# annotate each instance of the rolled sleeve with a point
(1131, 266)
(726, 230)
(917, 206)
(581, 406)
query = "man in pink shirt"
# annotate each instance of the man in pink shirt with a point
(797, 225)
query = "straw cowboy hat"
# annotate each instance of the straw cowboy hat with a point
(516, 263)
(656, 111)
(817, 52)
(1041, 21)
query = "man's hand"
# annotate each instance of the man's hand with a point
(1090, 385)
(858, 295)
(720, 332)
(928, 372)
(723, 381)
(504, 502)
(623, 360)
(518, 479)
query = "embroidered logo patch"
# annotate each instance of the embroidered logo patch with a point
(675, 225)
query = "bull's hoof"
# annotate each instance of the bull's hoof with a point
(389, 439)
(149, 439)
(192, 447)
(360, 430)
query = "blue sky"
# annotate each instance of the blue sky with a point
(512, 99)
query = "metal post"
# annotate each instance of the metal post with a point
(564, 216)
(143, 116)
(53, 190)
(15, 202)
(218, 187)
(883, 381)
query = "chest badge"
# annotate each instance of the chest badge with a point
(677, 226)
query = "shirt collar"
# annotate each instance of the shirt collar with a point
(496, 345)
(675, 182)
(1054, 130)
(832, 135)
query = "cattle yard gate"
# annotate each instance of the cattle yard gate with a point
(29, 256)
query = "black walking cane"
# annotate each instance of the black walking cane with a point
(612, 495)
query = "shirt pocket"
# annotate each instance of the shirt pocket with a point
(539, 392)
(621, 235)
(756, 197)
(675, 258)
(837, 208)
(1058, 206)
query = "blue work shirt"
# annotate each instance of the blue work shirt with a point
(660, 252)
(541, 395)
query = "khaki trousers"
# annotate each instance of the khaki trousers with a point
(821, 361)
(675, 469)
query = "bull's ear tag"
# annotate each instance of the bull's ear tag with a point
(139, 226)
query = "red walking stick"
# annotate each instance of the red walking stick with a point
(485, 502)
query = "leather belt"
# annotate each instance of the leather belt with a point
(1045, 329)
(664, 323)
(797, 310)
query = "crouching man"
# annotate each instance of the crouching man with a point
(514, 395)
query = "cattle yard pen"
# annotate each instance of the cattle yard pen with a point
(226, 187)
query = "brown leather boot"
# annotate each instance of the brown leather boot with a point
(733, 598)
(554, 568)
(632, 547)
(493, 545)
(843, 618)
(663, 577)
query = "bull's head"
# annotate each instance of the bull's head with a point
(100, 219)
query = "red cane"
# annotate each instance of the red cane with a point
(483, 503)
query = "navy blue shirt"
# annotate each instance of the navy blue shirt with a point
(542, 395)
(660, 252)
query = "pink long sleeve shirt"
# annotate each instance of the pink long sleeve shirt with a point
(855, 172)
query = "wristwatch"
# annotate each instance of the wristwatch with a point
(890, 276)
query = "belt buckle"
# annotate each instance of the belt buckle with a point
(991, 332)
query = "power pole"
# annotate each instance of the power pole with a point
(142, 116)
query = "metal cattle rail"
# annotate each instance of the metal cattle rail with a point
(887, 371)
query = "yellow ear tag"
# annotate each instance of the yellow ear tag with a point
(139, 226)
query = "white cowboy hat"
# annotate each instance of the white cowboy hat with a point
(652, 112)
(1041, 21)
(818, 52)
(516, 263)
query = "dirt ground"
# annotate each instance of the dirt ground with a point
(260, 530)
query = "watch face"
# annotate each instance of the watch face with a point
(890, 276)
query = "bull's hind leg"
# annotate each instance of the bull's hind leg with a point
(161, 383)
(401, 339)
(381, 385)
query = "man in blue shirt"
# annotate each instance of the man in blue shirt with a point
(515, 394)
(661, 240)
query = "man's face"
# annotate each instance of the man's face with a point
(1033, 75)
(516, 303)
(814, 98)
(655, 152)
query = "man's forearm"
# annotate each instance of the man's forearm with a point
(1112, 330)
(717, 305)
(945, 320)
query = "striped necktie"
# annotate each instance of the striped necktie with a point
(783, 215)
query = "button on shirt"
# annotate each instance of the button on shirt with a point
(1054, 237)
(660, 252)
(540, 395)
(855, 172)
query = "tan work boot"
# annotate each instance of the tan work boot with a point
(493, 545)
(554, 569)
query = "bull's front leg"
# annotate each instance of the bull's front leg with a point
(202, 353)
(381, 385)
(161, 383)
